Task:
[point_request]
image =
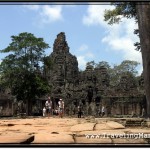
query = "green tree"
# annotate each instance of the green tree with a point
(21, 70)
(102, 64)
(91, 63)
(122, 9)
(140, 11)
(47, 66)
(126, 67)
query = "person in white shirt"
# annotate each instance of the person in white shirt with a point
(61, 108)
(44, 112)
(103, 111)
(48, 106)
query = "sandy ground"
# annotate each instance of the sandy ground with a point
(55, 130)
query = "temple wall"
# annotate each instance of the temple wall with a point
(6, 108)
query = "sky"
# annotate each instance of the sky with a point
(88, 35)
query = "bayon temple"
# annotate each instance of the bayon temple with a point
(89, 88)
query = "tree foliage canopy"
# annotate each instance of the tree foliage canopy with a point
(122, 10)
(21, 69)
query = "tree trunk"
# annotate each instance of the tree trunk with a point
(28, 107)
(143, 13)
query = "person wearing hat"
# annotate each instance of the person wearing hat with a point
(61, 108)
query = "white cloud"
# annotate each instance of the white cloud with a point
(95, 15)
(83, 59)
(51, 13)
(46, 13)
(124, 40)
(81, 62)
(89, 55)
(118, 37)
(140, 70)
(83, 47)
(84, 55)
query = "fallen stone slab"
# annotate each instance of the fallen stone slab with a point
(139, 131)
(52, 138)
(83, 127)
(102, 126)
(102, 133)
(92, 140)
(16, 139)
(114, 125)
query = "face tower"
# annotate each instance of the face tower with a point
(65, 67)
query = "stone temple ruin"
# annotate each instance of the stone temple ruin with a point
(89, 88)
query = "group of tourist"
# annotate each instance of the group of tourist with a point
(47, 110)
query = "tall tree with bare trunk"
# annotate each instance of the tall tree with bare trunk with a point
(143, 15)
(141, 12)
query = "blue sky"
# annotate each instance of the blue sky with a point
(88, 36)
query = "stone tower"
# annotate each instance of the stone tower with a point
(65, 69)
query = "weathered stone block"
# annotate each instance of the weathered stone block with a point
(83, 127)
(115, 125)
(53, 138)
(16, 139)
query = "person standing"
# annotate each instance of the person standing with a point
(44, 112)
(48, 106)
(79, 111)
(103, 111)
(143, 112)
(61, 108)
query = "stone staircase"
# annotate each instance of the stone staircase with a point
(135, 123)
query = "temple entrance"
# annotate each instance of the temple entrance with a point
(90, 94)
(97, 100)
(56, 100)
